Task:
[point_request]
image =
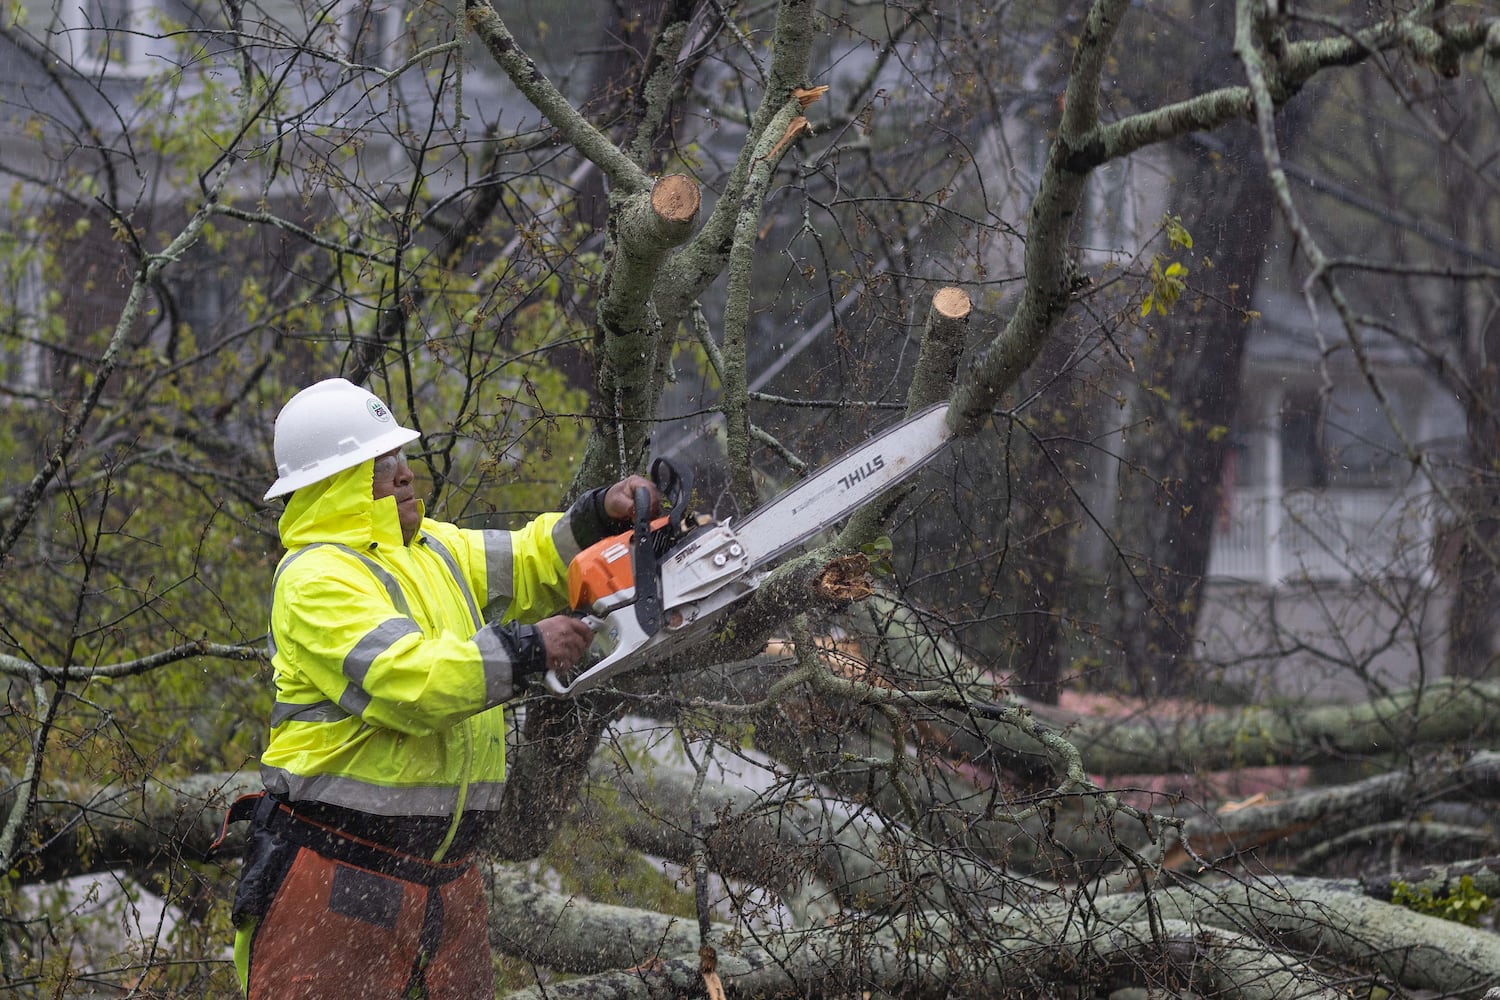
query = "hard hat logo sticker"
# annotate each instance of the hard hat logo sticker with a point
(378, 410)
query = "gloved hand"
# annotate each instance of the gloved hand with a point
(566, 640)
(609, 510)
(619, 499)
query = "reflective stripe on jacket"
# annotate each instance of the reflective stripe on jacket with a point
(388, 682)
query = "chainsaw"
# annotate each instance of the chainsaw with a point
(669, 582)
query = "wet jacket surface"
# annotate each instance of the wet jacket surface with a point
(388, 681)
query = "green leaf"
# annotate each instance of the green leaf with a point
(1177, 234)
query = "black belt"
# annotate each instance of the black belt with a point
(268, 813)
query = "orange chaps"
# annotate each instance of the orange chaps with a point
(343, 917)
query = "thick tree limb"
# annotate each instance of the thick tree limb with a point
(1331, 919)
(1009, 953)
(623, 172)
(631, 346)
(784, 841)
(943, 337)
(81, 827)
(1051, 274)
(1153, 742)
(1323, 813)
(735, 401)
(1190, 740)
(577, 935)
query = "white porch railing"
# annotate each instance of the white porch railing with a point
(1321, 535)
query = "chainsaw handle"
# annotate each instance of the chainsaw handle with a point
(619, 635)
(596, 625)
(642, 509)
(675, 486)
(643, 560)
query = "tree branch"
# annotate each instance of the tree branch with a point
(623, 173)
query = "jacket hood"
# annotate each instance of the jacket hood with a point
(341, 509)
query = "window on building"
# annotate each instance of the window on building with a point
(1337, 438)
(109, 36)
(23, 359)
(202, 302)
(1362, 447)
(1304, 465)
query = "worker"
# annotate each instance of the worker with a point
(396, 640)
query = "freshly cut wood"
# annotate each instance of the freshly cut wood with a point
(676, 199)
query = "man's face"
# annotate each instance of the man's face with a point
(393, 478)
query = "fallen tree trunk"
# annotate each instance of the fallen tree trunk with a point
(578, 935)
(1000, 952)
(1446, 711)
(1320, 814)
(1154, 739)
(79, 827)
(784, 841)
(1332, 919)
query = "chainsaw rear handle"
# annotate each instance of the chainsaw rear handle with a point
(616, 636)
(596, 625)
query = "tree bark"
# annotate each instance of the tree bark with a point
(579, 935)
(560, 735)
(1320, 814)
(787, 841)
(1150, 741)
(1332, 918)
(1001, 952)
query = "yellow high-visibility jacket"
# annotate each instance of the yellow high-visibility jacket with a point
(388, 682)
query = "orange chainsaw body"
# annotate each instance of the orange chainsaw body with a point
(602, 576)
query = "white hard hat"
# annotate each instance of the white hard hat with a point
(328, 427)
